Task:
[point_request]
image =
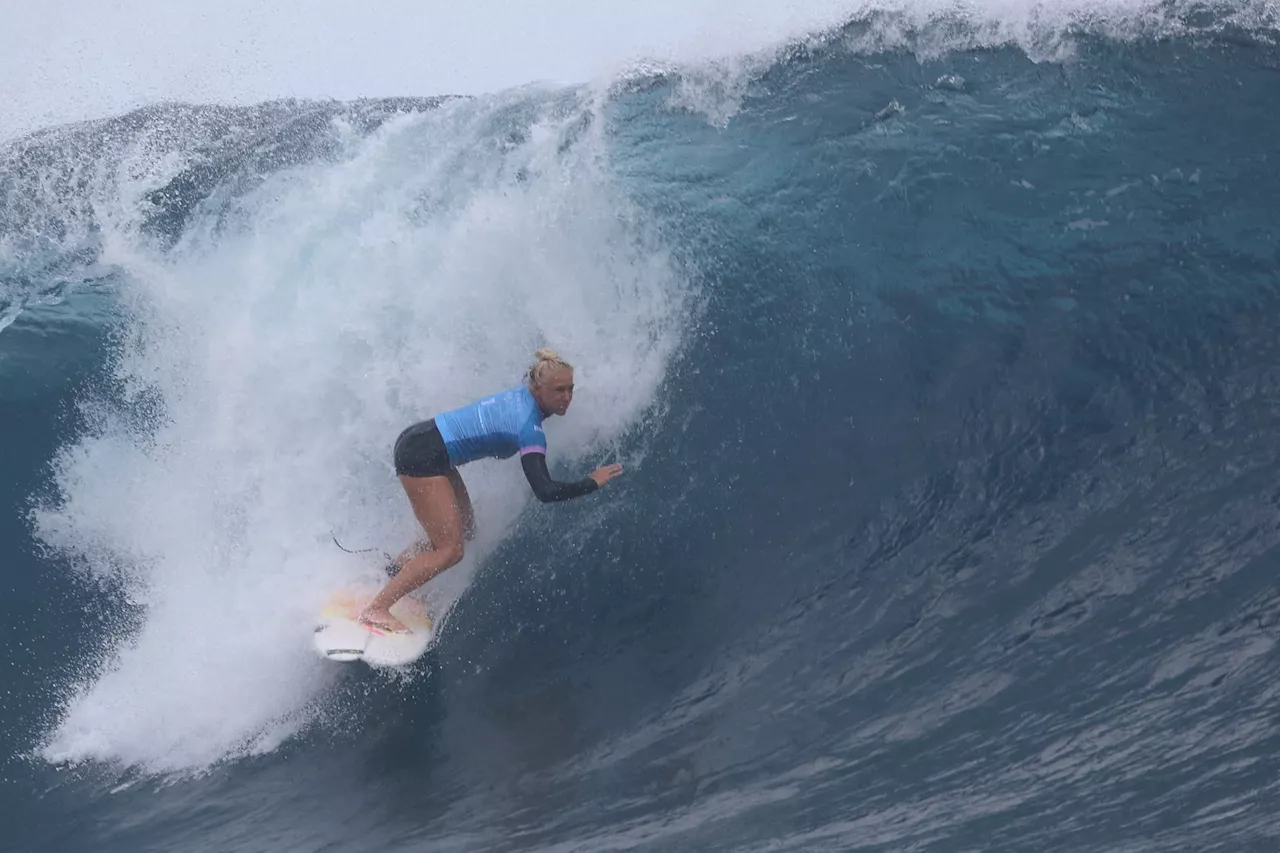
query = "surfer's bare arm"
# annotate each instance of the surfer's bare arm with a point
(548, 490)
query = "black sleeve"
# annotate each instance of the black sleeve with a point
(547, 489)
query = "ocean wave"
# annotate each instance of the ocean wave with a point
(945, 381)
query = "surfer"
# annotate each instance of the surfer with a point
(427, 457)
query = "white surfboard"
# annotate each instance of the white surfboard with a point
(339, 637)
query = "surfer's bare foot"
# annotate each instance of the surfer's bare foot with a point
(383, 621)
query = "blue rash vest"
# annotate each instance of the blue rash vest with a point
(497, 426)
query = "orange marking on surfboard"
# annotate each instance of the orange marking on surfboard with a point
(347, 604)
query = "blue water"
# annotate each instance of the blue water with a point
(945, 375)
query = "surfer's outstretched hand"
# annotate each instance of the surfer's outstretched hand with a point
(605, 473)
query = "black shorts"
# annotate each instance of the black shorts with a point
(420, 452)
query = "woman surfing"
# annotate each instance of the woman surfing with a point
(427, 458)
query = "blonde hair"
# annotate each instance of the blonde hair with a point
(545, 361)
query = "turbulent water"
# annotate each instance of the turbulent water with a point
(940, 350)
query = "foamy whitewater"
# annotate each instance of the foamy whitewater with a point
(275, 348)
(935, 338)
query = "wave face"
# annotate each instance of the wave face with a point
(940, 352)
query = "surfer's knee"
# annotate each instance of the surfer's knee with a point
(450, 553)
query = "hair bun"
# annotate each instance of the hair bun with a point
(545, 361)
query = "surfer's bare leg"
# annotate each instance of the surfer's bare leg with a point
(436, 507)
(406, 555)
(466, 512)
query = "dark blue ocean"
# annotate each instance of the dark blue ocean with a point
(944, 363)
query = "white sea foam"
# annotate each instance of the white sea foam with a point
(279, 350)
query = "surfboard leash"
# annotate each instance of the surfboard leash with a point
(334, 537)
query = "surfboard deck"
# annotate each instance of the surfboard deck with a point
(339, 637)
